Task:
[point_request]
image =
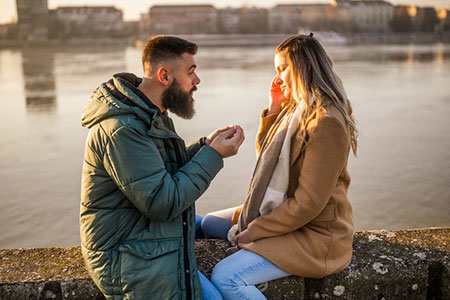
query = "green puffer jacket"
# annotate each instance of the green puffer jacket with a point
(139, 185)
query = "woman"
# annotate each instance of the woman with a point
(296, 218)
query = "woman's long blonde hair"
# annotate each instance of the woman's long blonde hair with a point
(312, 78)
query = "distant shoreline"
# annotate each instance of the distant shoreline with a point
(237, 40)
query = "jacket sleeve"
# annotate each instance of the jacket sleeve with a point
(324, 158)
(264, 125)
(137, 168)
(193, 147)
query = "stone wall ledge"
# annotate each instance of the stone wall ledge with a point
(403, 264)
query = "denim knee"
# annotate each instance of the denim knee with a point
(221, 276)
(198, 227)
(215, 227)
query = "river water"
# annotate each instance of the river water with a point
(400, 96)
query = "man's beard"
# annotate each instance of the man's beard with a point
(178, 101)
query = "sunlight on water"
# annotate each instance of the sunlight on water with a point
(400, 95)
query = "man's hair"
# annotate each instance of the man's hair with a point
(163, 48)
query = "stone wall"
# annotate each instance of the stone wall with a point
(407, 264)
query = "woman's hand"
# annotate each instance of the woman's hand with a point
(243, 238)
(276, 97)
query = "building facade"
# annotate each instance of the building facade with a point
(253, 20)
(285, 18)
(294, 18)
(316, 17)
(87, 21)
(425, 19)
(228, 20)
(32, 19)
(369, 15)
(444, 19)
(183, 19)
(401, 21)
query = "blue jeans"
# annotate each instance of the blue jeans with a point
(211, 227)
(209, 291)
(214, 225)
(236, 275)
(198, 227)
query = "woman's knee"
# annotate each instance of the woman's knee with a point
(219, 279)
(198, 229)
(215, 227)
(224, 275)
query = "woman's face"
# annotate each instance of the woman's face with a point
(283, 77)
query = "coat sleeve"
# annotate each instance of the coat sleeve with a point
(193, 147)
(137, 168)
(264, 125)
(324, 158)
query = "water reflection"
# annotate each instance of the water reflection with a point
(439, 59)
(42, 67)
(39, 80)
(402, 107)
(415, 53)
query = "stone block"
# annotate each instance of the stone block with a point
(408, 264)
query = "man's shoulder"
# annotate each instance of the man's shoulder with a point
(121, 124)
(117, 128)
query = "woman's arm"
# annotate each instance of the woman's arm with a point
(324, 158)
(266, 121)
(270, 114)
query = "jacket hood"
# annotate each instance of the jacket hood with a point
(116, 97)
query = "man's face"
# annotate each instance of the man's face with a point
(178, 97)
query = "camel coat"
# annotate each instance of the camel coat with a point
(311, 233)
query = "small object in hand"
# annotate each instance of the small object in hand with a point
(232, 234)
(231, 250)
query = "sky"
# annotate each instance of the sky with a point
(133, 8)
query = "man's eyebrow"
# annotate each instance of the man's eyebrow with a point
(192, 67)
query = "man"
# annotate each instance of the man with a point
(140, 181)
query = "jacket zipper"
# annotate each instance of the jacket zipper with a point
(187, 271)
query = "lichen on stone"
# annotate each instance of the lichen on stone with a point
(420, 255)
(380, 268)
(339, 290)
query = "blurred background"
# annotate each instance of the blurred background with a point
(393, 58)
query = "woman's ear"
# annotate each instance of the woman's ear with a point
(163, 76)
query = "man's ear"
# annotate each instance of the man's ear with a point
(164, 76)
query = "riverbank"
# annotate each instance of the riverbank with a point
(234, 40)
(404, 264)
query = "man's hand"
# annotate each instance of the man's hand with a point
(276, 97)
(214, 134)
(227, 142)
(243, 238)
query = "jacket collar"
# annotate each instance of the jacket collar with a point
(126, 84)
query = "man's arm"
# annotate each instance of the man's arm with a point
(193, 147)
(137, 168)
